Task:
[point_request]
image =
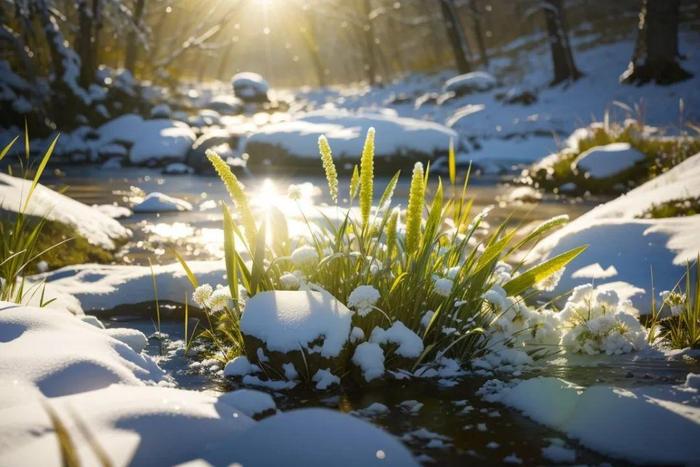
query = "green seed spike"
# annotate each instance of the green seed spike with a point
(367, 177)
(414, 212)
(329, 167)
(235, 191)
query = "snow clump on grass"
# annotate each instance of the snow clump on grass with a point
(363, 299)
(304, 256)
(597, 322)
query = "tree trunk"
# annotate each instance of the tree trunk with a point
(132, 39)
(655, 56)
(562, 57)
(476, 19)
(455, 34)
(89, 25)
(370, 64)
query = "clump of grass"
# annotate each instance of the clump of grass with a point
(432, 259)
(662, 153)
(673, 208)
(677, 319)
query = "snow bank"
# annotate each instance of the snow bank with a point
(625, 250)
(159, 202)
(98, 228)
(285, 320)
(476, 81)
(606, 161)
(646, 425)
(396, 136)
(149, 140)
(102, 287)
(310, 437)
(62, 355)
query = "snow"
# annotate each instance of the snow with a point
(363, 298)
(559, 454)
(239, 366)
(131, 337)
(159, 202)
(62, 355)
(249, 86)
(395, 135)
(646, 425)
(177, 168)
(149, 140)
(161, 111)
(52, 359)
(249, 401)
(97, 228)
(410, 345)
(659, 245)
(609, 160)
(325, 379)
(310, 437)
(285, 320)
(476, 81)
(113, 211)
(373, 410)
(369, 357)
(102, 287)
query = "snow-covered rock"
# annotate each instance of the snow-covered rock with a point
(250, 87)
(408, 343)
(61, 354)
(369, 358)
(161, 111)
(607, 161)
(476, 81)
(310, 437)
(225, 104)
(396, 137)
(159, 202)
(177, 168)
(624, 250)
(149, 140)
(98, 228)
(239, 366)
(647, 425)
(282, 324)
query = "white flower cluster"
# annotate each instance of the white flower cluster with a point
(363, 299)
(597, 321)
(205, 296)
(592, 322)
(675, 301)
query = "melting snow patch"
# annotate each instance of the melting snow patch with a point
(325, 379)
(159, 202)
(606, 161)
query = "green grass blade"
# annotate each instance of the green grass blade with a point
(190, 275)
(542, 271)
(39, 171)
(7, 148)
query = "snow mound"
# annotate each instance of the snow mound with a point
(98, 228)
(134, 425)
(101, 287)
(607, 161)
(396, 136)
(410, 345)
(239, 366)
(646, 425)
(131, 337)
(286, 320)
(177, 168)
(476, 81)
(149, 140)
(159, 202)
(249, 401)
(369, 357)
(319, 437)
(113, 211)
(250, 87)
(63, 355)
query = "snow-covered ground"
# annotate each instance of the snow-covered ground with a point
(109, 397)
(98, 228)
(626, 251)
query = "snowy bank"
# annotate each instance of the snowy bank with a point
(98, 228)
(102, 287)
(625, 249)
(647, 425)
(52, 362)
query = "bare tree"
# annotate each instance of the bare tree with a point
(655, 56)
(562, 56)
(455, 34)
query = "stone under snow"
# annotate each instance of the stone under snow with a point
(476, 81)
(286, 320)
(609, 160)
(159, 202)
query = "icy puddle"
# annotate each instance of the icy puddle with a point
(443, 422)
